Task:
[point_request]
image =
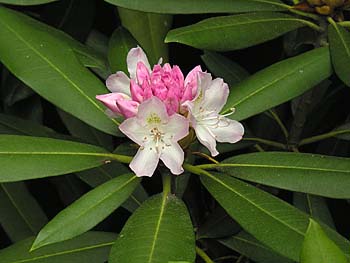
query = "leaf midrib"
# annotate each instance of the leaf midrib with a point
(54, 67)
(347, 50)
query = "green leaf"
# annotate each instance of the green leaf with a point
(339, 44)
(149, 30)
(26, 2)
(23, 158)
(248, 246)
(205, 6)
(92, 247)
(87, 211)
(302, 172)
(220, 66)
(279, 83)
(226, 33)
(259, 213)
(45, 63)
(20, 214)
(159, 231)
(318, 248)
(315, 206)
(119, 45)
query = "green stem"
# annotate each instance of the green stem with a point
(203, 255)
(166, 184)
(323, 136)
(280, 123)
(344, 23)
(267, 142)
(301, 13)
(119, 158)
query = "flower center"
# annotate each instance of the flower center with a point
(158, 139)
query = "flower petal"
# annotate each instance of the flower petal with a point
(152, 111)
(190, 84)
(177, 127)
(110, 100)
(206, 138)
(118, 82)
(136, 55)
(228, 131)
(215, 96)
(173, 158)
(134, 130)
(145, 162)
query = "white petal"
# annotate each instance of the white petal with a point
(136, 55)
(215, 96)
(228, 131)
(206, 138)
(177, 127)
(134, 130)
(151, 111)
(145, 162)
(173, 158)
(118, 82)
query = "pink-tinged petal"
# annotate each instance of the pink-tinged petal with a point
(152, 111)
(192, 75)
(134, 130)
(136, 55)
(118, 82)
(110, 100)
(173, 158)
(190, 84)
(142, 73)
(206, 138)
(177, 127)
(228, 131)
(128, 108)
(177, 75)
(145, 162)
(215, 96)
(137, 93)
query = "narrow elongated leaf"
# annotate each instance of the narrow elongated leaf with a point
(315, 206)
(235, 32)
(250, 247)
(205, 6)
(159, 231)
(20, 214)
(149, 30)
(339, 43)
(220, 66)
(318, 248)
(23, 158)
(34, 54)
(87, 211)
(259, 213)
(92, 247)
(279, 83)
(309, 173)
(119, 45)
(26, 2)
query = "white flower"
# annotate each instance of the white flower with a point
(157, 133)
(204, 115)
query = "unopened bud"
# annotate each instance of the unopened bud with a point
(315, 2)
(333, 3)
(324, 10)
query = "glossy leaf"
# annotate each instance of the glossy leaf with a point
(41, 62)
(226, 33)
(119, 45)
(87, 211)
(20, 214)
(23, 158)
(149, 30)
(339, 44)
(205, 6)
(254, 95)
(26, 2)
(248, 246)
(309, 173)
(92, 247)
(318, 248)
(259, 213)
(222, 67)
(159, 231)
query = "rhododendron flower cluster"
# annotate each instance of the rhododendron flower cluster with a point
(160, 105)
